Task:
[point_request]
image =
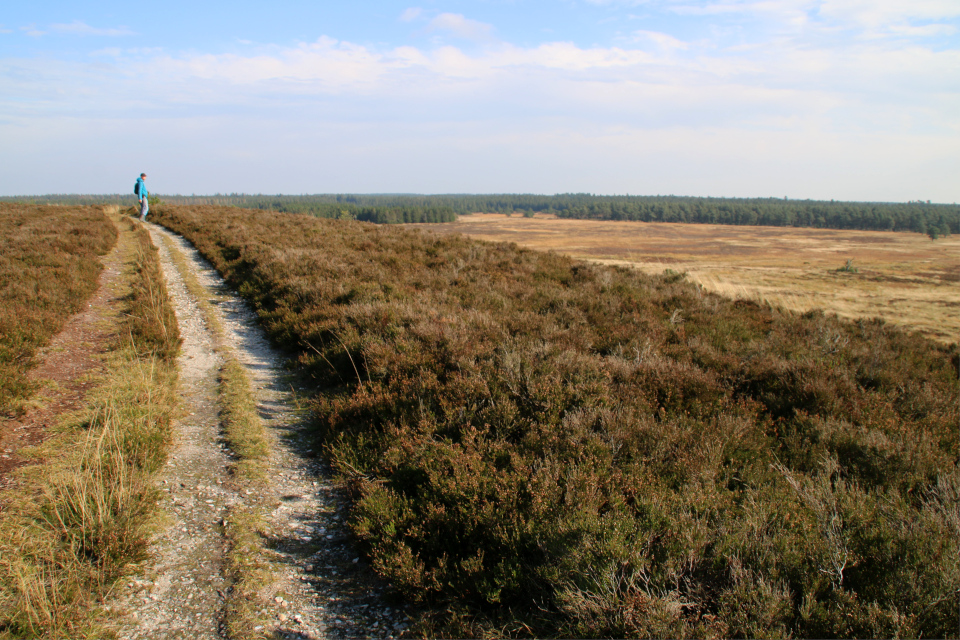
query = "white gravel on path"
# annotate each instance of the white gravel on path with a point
(324, 590)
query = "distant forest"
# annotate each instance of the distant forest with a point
(918, 216)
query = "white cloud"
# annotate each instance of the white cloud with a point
(79, 28)
(411, 14)
(112, 52)
(462, 27)
(5, 30)
(882, 13)
(925, 31)
(862, 117)
(662, 40)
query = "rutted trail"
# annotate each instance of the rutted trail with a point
(322, 588)
(180, 596)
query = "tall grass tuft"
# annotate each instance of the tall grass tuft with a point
(152, 323)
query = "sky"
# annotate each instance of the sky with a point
(824, 99)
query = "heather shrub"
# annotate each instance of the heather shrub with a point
(589, 451)
(48, 268)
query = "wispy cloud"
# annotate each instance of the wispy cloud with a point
(3, 29)
(917, 18)
(881, 13)
(31, 30)
(411, 14)
(461, 27)
(664, 41)
(79, 28)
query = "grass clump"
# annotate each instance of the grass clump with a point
(538, 446)
(80, 515)
(152, 322)
(48, 268)
(251, 572)
(242, 426)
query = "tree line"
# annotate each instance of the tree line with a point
(918, 216)
(922, 217)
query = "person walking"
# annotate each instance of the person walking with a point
(140, 189)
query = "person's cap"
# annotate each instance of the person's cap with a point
(143, 175)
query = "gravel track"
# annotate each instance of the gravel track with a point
(324, 589)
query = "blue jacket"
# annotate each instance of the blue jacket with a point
(143, 188)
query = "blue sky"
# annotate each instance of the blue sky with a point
(842, 99)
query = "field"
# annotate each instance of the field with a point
(905, 278)
(538, 446)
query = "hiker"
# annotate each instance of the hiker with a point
(140, 189)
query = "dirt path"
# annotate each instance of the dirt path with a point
(323, 588)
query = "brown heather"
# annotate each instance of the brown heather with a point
(48, 268)
(540, 446)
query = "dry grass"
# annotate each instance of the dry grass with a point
(904, 278)
(242, 426)
(252, 572)
(81, 515)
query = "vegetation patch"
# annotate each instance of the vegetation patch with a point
(80, 515)
(48, 269)
(539, 446)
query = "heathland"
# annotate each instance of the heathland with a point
(905, 278)
(542, 446)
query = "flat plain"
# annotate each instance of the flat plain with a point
(905, 278)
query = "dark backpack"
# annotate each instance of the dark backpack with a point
(136, 188)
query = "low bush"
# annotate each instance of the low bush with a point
(589, 451)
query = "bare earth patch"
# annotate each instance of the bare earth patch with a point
(904, 278)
